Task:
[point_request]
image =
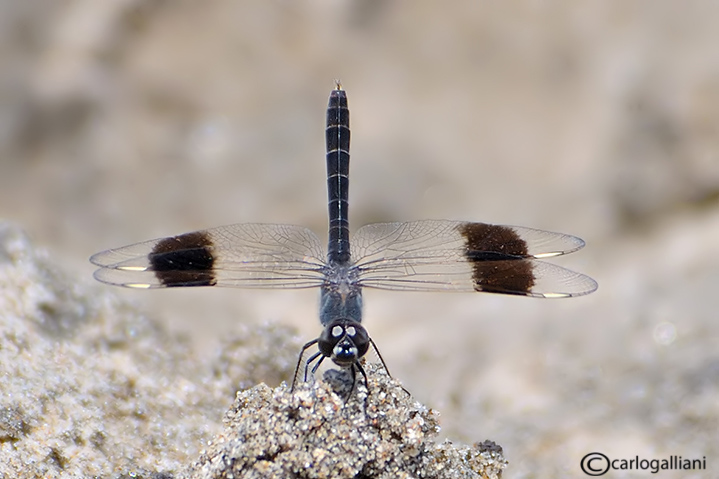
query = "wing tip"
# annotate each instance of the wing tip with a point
(588, 286)
(104, 275)
(100, 259)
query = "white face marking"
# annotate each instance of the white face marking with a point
(338, 350)
(351, 331)
(337, 331)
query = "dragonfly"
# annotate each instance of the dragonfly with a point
(426, 255)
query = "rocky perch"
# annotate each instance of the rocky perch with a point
(92, 388)
(313, 433)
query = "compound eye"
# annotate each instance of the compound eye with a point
(351, 331)
(337, 331)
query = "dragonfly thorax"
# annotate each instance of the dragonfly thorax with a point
(341, 295)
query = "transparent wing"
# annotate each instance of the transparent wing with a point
(244, 256)
(442, 255)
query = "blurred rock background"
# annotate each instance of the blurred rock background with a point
(125, 120)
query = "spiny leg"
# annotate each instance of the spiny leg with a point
(384, 365)
(316, 366)
(353, 377)
(359, 367)
(379, 355)
(366, 381)
(299, 361)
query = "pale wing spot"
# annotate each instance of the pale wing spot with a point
(556, 295)
(547, 255)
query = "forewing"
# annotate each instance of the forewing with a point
(244, 255)
(442, 255)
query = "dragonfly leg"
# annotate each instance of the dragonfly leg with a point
(384, 365)
(299, 361)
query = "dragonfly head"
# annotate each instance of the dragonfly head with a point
(345, 341)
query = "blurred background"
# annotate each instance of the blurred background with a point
(125, 120)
